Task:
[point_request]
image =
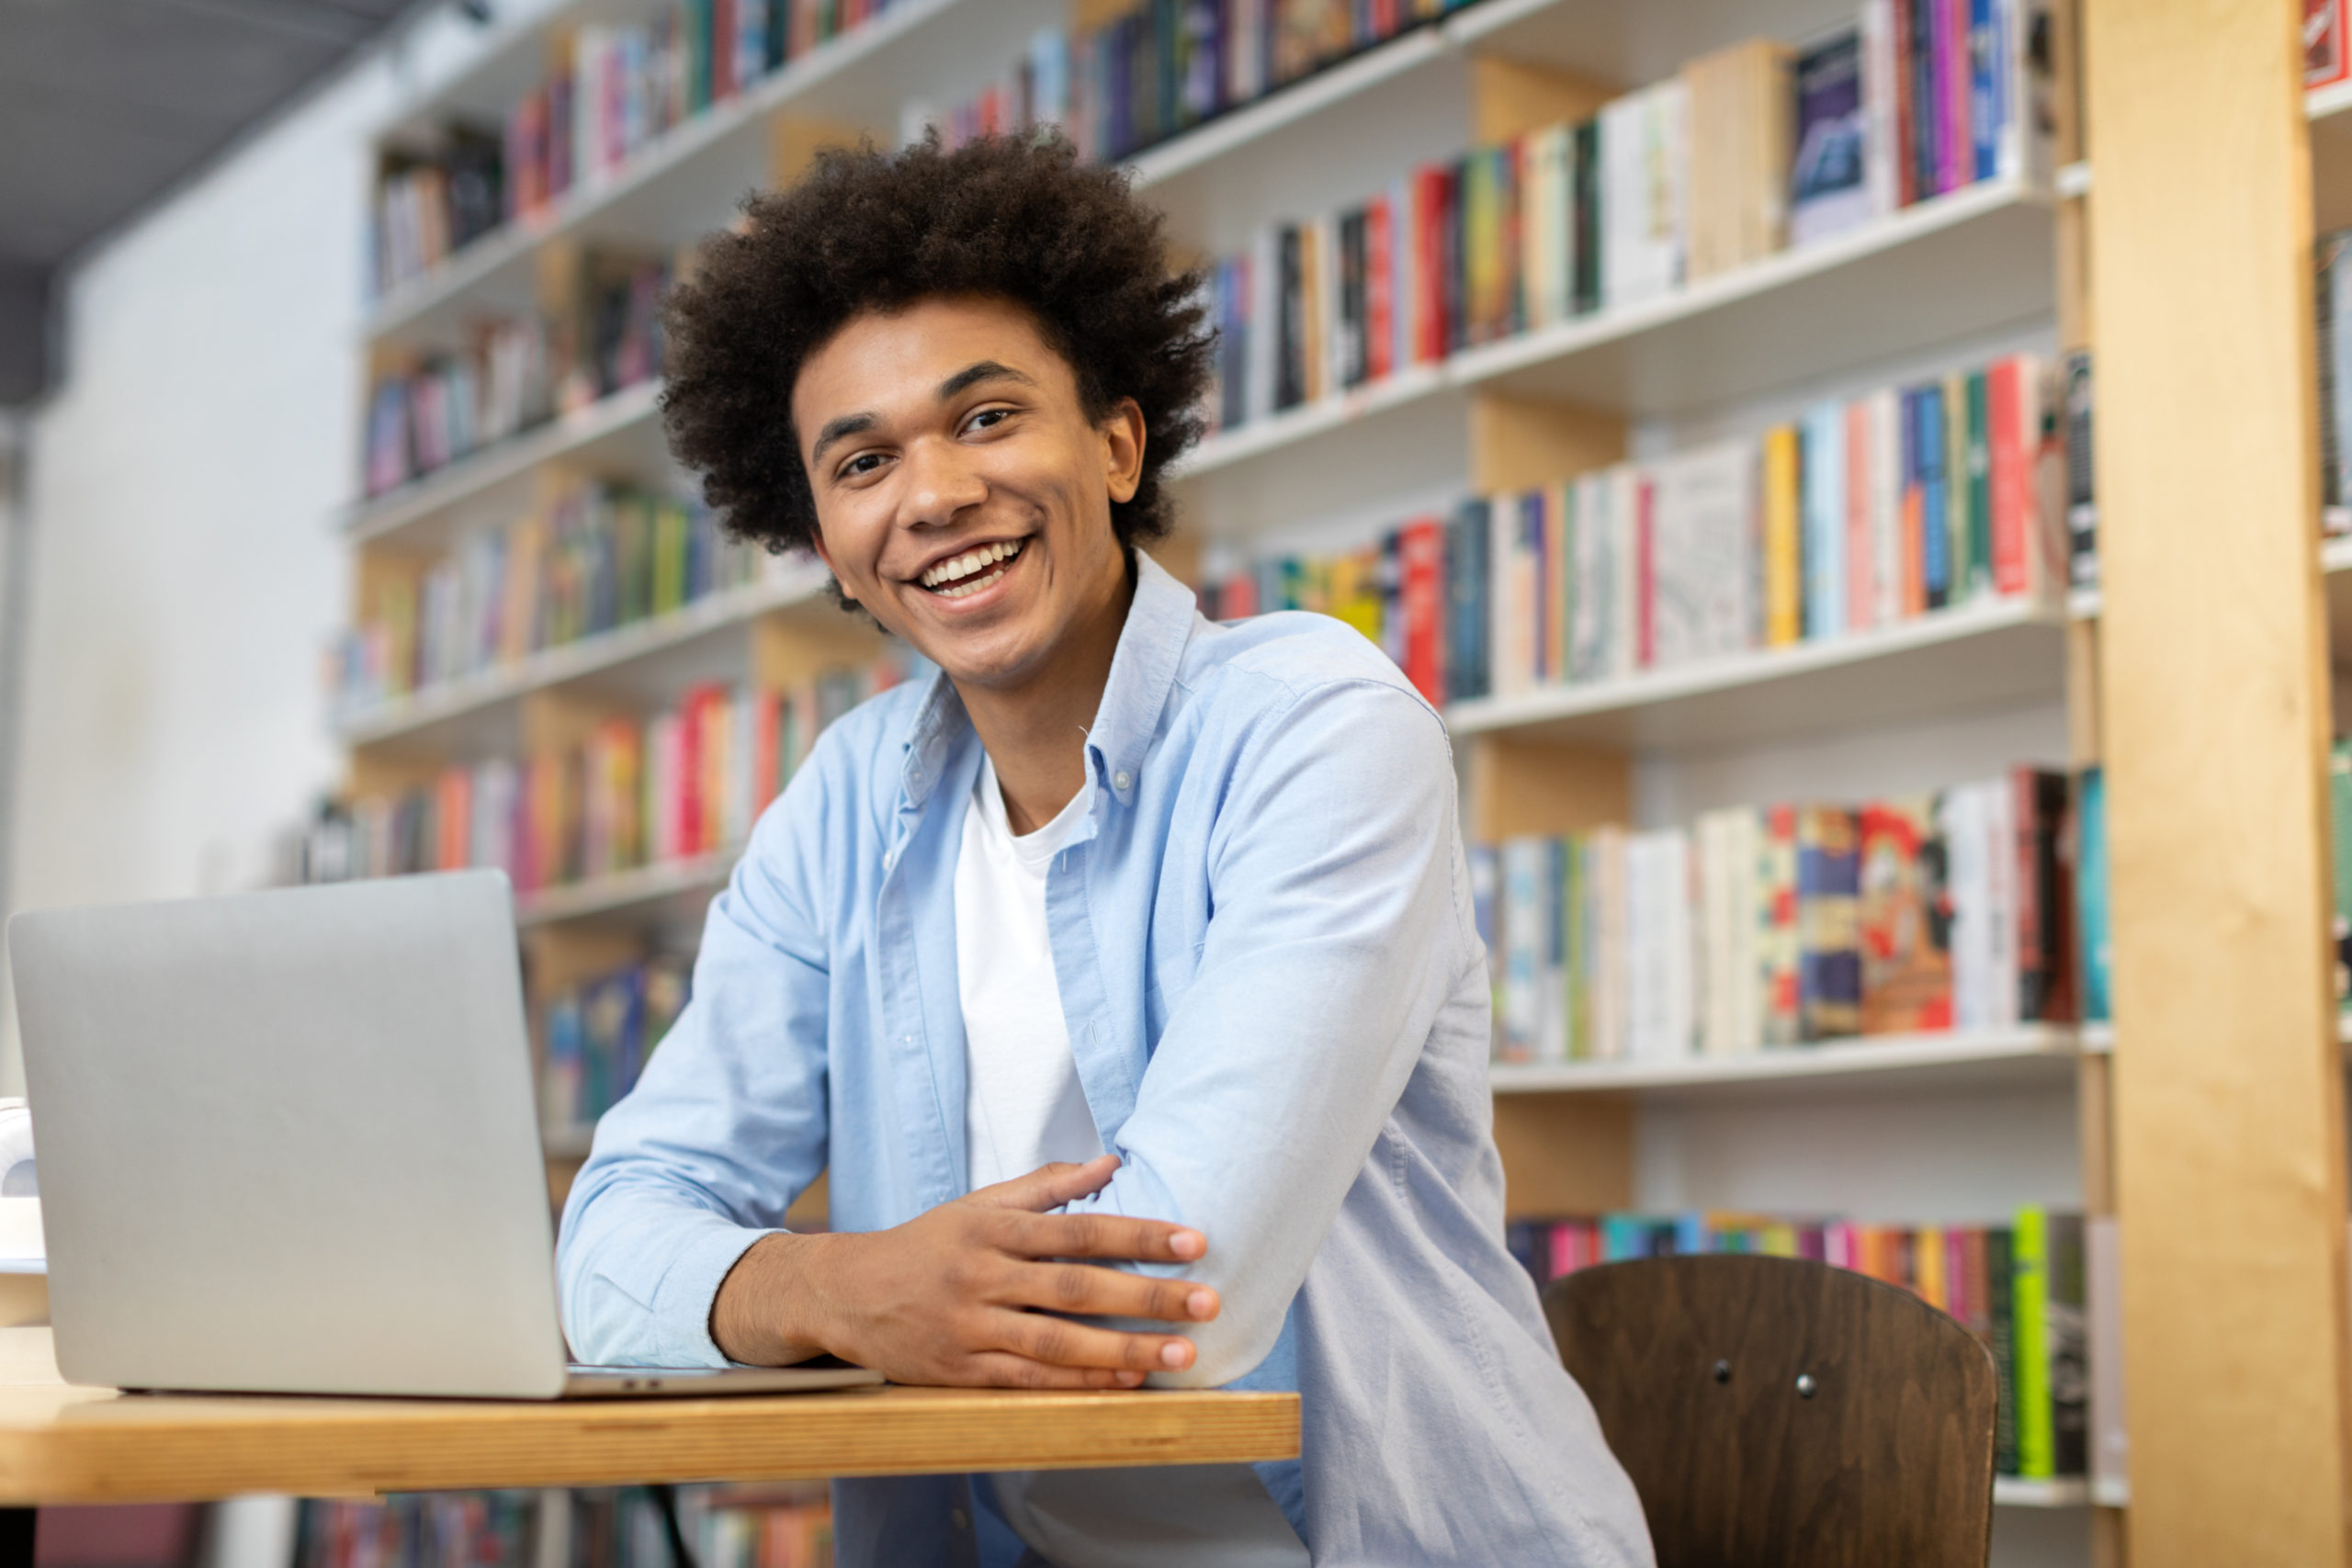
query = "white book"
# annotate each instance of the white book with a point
(1963, 814)
(1545, 277)
(1524, 946)
(1626, 484)
(1643, 170)
(1700, 531)
(2001, 903)
(1606, 847)
(1505, 674)
(1327, 376)
(1881, 145)
(1822, 498)
(1265, 347)
(1886, 505)
(1717, 1030)
(1678, 957)
(1591, 577)
(1743, 844)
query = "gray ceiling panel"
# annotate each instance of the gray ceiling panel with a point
(105, 105)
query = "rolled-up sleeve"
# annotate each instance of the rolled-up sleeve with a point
(725, 1128)
(1336, 938)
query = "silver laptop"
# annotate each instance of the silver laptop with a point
(288, 1143)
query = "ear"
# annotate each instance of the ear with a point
(1123, 438)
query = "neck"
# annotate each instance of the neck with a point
(1035, 732)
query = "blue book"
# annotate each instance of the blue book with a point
(1934, 495)
(1466, 610)
(1829, 954)
(2090, 893)
(1987, 104)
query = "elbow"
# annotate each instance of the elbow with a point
(1228, 1349)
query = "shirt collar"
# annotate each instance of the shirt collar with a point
(1143, 672)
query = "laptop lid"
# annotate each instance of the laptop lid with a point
(287, 1141)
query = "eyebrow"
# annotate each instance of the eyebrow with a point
(964, 379)
(973, 375)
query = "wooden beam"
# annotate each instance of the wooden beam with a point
(1511, 97)
(1519, 443)
(2228, 1085)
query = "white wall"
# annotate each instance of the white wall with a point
(183, 574)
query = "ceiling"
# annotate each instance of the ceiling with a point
(105, 105)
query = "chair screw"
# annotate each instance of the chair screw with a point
(1805, 1385)
(1723, 1371)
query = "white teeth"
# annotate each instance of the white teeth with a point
(948, 572)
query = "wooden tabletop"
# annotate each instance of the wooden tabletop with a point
(59, 1443)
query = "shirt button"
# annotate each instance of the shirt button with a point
(963, 1520)
(1122, 780)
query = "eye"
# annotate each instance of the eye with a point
(864, 463)
(987, 419)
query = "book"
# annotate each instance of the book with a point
(1643, 149)
(1831, 185)
(1905, 917)
(1830, 977)
(1739, 108)
(2024, 1287)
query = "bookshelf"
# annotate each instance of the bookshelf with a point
(1946, 282)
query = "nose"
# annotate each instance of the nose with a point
(941, 481)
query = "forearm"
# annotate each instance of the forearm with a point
(772, 1308)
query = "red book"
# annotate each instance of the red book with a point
(455, 810)
(2006, 400)
(1433, 199)
(1379, 288)
(686, 827)
(1861, 563)
(722, 50)
(767, 719)
(1422, 545)
(1644, 575)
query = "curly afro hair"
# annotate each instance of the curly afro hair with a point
(1013, 218)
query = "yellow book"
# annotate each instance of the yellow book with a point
(1927, 1266)
(1783, 566)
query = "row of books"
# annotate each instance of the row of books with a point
(1862, 514)
(611, 90)
(2332, 297)
(517, 373)
(597, 557)
(2021, 1288)
(687, 782)
(1163, 67)
(1784, 925)
(738, 1526)
(599, 1034)
(1694, 176)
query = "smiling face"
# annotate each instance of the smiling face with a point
(962, 495)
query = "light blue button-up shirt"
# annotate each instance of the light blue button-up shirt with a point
(1279, 1007)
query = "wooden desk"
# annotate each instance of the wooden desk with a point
(63, 1444)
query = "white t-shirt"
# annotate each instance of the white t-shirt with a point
(1023, 1107)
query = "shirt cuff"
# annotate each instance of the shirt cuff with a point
(683, 1301)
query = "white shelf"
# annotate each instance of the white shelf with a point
(627, 892)
(2064, 1492)
(1934, 272)
(443, 705)
(1238, 129)
(2072, 179)
(1980, 654)
(2030, 1054)
(684, 184)
(493, 484)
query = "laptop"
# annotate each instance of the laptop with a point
(288, 1143)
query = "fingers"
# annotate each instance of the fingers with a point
(1048, 1186)
(1104, 1235)
(1089, 1291)
(1002, 1368)
(1059, 1342)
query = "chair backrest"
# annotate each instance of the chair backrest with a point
(1777, 1413)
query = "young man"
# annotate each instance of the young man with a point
(1128, 939)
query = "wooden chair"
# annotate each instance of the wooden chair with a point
(1777, 1413)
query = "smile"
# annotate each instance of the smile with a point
(972, 571)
